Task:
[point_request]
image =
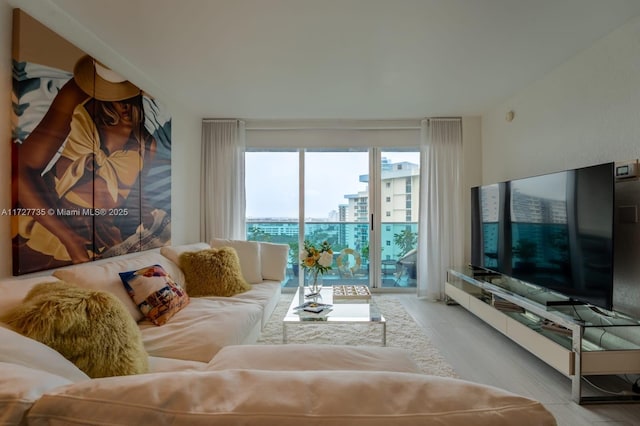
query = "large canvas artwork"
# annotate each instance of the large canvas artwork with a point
(91, 156)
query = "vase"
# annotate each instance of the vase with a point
(314, 281)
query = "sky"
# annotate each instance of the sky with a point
(272, 181)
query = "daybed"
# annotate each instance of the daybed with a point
(204, 368)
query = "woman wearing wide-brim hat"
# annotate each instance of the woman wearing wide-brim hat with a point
(98, 116)
(102, 83)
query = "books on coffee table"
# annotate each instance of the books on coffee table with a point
(311, 308)
(351, 292)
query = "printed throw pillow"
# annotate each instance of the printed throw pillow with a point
(90, 328)
(155, 293)
(213, 272)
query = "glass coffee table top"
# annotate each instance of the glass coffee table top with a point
(342, 311)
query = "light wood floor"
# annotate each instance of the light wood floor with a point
(481, 354)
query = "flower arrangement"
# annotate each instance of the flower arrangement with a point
(316, 259)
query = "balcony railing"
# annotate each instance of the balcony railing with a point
(350, 243)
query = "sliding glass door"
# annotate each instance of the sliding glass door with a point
(364, 202)
(271, 184)
(336, 209)
(399, 186)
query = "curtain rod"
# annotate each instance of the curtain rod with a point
(332, 128)
(332, 124)
(445, 118)
(204, 120)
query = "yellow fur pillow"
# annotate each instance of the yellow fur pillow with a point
(213, 272)
(92, 329)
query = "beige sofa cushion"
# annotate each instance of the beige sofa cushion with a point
(266, 294)
(22, 350)
(198, 332)
(288, 398)
(20, 387)
(165, 365)
(313, 357)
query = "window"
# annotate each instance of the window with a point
(335, 205)
(267, 220)
(330, 178)
(399, 231)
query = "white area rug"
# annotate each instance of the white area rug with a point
(402, 332)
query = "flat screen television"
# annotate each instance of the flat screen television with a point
(553, 230)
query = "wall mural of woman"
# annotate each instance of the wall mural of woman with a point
(91, 166)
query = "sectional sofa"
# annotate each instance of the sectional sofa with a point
(204, 367)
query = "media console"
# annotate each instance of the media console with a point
(579, 340)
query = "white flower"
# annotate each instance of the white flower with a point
(326, 259)
(303, 254)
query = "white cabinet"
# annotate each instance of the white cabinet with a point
(577, 340)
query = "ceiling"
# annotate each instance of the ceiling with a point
(346, 59)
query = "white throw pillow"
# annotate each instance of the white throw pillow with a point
(274, 258)
(173, 252)
(249, 254)
(22, 350)
(14, 290)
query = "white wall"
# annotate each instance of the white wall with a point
(586, 111)
(186, 126)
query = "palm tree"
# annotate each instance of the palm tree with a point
(257, 234)
(406, 240)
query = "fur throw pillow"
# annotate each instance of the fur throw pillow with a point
(92, 329)
(213, 272)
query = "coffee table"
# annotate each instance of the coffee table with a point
(349, 311)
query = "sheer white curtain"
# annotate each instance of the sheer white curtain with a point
(440, 235)
(222, 191)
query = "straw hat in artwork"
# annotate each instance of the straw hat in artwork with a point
(101, 82)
